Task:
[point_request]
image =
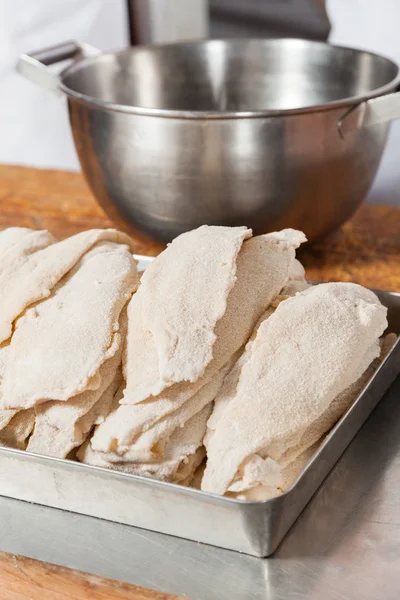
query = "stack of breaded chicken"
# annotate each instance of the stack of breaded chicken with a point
(219, 368)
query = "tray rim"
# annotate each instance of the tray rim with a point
(113, 473)
(193, 492)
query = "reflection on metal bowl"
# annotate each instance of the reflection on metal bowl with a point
(263, 133)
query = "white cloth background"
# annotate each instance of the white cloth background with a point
(34, 127)
(373, 25)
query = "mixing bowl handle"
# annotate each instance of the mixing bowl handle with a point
(375, 111)
(34, 66)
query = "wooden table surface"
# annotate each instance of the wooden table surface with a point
(365, 250)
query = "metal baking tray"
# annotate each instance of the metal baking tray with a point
(254, 528)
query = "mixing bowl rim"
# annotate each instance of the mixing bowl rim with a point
(222, 114)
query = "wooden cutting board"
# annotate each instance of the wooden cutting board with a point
(365, 250)
(23, 578)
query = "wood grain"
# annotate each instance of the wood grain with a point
(24, 578)
(56, 200)
(365, 250)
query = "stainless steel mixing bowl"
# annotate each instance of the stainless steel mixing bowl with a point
(264, 133)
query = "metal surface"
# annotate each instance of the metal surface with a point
(160, 21)
(254, 528)
(254, 18)
(344, 546)
(376, 111)
(227, 132)
(34, 66)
